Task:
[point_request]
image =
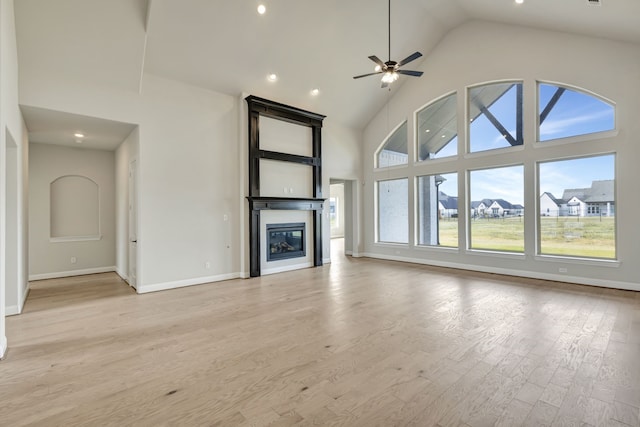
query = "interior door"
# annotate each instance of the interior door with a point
(133, 222)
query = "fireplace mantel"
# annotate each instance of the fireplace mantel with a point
(262, 107)
(285, 203)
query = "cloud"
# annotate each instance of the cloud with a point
(501, 183)
(574, 125)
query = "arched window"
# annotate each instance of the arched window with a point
(393, 151)
(437, 129)
(565, 112)
(495, 115)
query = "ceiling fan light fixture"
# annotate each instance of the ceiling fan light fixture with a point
(389, 77)
(391, 70)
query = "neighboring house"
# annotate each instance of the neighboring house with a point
(502, 208)
(597, 200)
(481, 208)
(551, 206)
(447, 206)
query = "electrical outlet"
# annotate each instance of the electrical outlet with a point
(73, 260)
(207, 264)
(562, 270)
(225, 217)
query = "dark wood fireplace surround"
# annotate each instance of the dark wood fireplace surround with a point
(262, 107)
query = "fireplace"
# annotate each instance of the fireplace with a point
(285, 241)
(264, 195)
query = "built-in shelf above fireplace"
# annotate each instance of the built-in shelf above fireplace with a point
(257, 108)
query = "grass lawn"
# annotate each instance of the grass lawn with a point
(592, 237)
(499, 234)
(586, 236)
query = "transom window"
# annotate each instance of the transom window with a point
(393, 151)
(437, 129)
(495, 115)
(565, 112)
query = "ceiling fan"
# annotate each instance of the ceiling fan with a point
(390, 70)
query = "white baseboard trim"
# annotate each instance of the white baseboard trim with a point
(348, 253)
(143, 289)
(71, 273)
(274, 270)
(518, 273)
(122, 275)
(326, 260)
(3, 346)
(12, 310)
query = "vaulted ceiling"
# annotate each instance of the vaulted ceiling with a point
(226, 46)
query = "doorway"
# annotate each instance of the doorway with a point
(133, 223)
(343, 218)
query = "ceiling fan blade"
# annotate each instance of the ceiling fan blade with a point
(377, 61)
(410, 73)
(366, 75)
(409, 58)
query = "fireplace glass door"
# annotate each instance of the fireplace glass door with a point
(285, 241)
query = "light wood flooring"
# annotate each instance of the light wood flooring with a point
(359, 342)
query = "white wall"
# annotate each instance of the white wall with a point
(342, 160)
(187, 172)
(11, 124)
(478, 52)
(52, 258)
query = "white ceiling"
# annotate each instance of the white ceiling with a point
(58, 128)
(226, 46)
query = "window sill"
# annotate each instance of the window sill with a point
(496, 254)
(74, 239)
(600, 262)
(391, 245)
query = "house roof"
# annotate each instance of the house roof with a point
(558, 202)
(600, 192)
(504, 204)
(449, 203)
(486, 202)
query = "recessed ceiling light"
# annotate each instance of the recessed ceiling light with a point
(272, 77)
(78, 135)
(519, 1)
(428, 130)
(315, 92)
(262, 9)
(444, 136)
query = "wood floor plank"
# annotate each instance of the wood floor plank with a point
(357, 342)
